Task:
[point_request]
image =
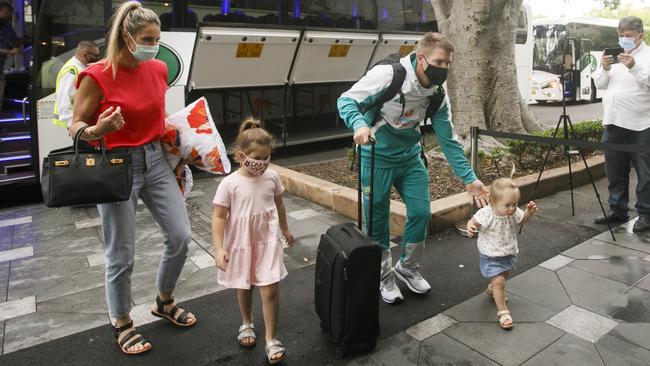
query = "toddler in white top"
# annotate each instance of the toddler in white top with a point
(497, 242)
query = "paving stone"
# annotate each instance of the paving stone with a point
(540, 286)
(359, 361)
(627, 271)
(15, 308)
(430, 327)
(51, 277)
(200, 283)
(628, 239)
(644, 284)
(71, 244)
(505, 347)
(17, 253)
(303, 214)
(637, 333)
(596, 249)
(481, 308)
(203, 260)
(332, 219)
(16, 221)
(4, 281)
(568, 350)
(307, 236)
(40, 327)
(91, 301)
(617, 352)
(443, 350)
(88, 223)
(143, 280)
(589, 291)
(582, 323)
(141, 314)
(633, 306)
(98, 259)
(399, 349)
(556, 262)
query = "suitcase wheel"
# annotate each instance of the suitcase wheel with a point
(340, 352)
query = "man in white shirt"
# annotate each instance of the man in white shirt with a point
(626, 119)
(87, 53)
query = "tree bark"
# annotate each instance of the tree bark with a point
(482, 80)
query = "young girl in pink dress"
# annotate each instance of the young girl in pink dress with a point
(248, 225)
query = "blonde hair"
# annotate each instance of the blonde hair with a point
(252, 132)
(130, 17)
(499, 188)
(432, 40)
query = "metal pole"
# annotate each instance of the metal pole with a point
(474, 149)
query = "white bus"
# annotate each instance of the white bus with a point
(581, 41)
(284, 61)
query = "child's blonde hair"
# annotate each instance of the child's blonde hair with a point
(499, 188)
(251, 133)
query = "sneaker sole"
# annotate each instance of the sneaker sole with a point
(394, 302)
(408, 284)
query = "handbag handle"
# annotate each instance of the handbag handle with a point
(77, 137)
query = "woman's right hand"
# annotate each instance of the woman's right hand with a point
(221, 259)
(110, 120)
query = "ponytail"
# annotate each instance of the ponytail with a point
(252, 132)
(130, 17)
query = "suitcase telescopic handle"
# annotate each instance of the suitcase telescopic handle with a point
(370, 189)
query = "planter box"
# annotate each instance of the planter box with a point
(445, 212)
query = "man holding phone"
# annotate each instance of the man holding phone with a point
(626, 119)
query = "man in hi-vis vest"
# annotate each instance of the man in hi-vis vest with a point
(87, 53)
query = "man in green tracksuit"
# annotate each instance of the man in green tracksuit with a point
(396, 130)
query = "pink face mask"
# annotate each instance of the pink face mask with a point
(256, 167)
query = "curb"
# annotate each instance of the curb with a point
(445, 212)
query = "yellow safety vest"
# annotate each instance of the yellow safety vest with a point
(66, 68)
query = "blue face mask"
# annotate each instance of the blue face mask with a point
(626, 42)
(143, 53)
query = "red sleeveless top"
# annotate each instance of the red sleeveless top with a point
(140, 92)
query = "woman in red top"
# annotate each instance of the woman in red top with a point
(122, 98)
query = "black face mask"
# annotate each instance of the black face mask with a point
(436, 75)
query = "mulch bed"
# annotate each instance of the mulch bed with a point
(442, 181)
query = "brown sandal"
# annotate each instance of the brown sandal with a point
(130, 338)
(179, 321)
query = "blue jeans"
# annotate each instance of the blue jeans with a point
(155, 184)
(617, 167)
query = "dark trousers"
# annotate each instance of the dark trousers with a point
(617, 167)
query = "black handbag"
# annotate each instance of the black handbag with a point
(73, 177)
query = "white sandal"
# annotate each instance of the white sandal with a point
(247, 331)
(504, 316)
(277, 348)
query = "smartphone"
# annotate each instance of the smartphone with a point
(614, 52)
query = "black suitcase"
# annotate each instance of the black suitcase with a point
(348, 268)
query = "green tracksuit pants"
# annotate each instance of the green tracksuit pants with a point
(412, 182)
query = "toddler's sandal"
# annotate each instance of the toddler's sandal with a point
(273, 348)
(490, 293)
(247, 331)
(504, 318)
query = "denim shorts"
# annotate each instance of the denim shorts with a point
(494, 266)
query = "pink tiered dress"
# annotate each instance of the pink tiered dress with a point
(252, 236)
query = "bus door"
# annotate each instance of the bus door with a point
(569, 67)
(585, 90)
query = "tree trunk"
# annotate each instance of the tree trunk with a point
(482, 81)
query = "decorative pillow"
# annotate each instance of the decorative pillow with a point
(191, 135)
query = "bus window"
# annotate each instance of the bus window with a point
(354, 14)
(238, 11)
(522, 27)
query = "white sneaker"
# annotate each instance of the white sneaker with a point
(412, 278)
(390, 293)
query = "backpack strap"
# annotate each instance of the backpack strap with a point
(434, 104)
(394, 88)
